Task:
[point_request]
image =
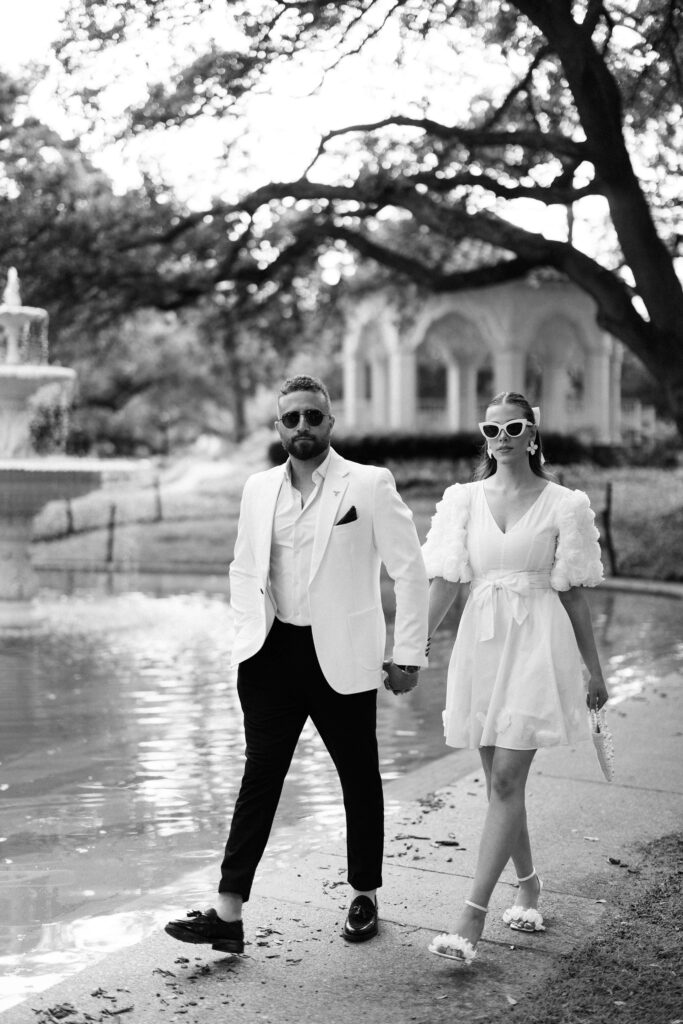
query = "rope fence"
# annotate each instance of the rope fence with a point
(65, 518)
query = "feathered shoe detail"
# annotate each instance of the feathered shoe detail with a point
(456, 947)
(525, 919)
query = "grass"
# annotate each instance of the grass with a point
(184, 515)
(630, 972)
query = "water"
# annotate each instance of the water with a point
(121, 753)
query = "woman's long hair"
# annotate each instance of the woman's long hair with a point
(488, 466)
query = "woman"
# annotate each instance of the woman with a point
(527, 547)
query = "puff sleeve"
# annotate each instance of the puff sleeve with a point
(577, 556)
(445, 550)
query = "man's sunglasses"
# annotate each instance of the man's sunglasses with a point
(313, 417)
(513, 428)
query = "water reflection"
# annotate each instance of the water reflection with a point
(121, 752)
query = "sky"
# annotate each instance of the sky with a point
(27, 31)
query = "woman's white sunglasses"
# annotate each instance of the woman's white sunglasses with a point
(513, 428)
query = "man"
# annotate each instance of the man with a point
(309, 640)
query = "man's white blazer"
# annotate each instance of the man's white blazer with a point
(347, 619)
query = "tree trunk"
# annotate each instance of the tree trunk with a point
(237, 393)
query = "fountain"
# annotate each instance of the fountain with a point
(28, 481)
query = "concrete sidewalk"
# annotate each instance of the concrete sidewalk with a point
(298, 969)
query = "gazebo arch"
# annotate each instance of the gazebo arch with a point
(568, 374)
(367, 373)
(433, 362)
(450, 358)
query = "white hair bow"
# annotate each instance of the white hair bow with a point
(537, 417)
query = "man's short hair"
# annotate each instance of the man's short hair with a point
(303, 382)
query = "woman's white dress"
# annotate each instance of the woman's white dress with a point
(516, 678)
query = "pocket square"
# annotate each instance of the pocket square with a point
(348, 517)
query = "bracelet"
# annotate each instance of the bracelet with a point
(409, 669)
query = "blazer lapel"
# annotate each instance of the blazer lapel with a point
(263, 515)
(334, 488)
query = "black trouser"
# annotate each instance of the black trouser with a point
(279, 687)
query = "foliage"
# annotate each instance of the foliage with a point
(62, 224)
(96, 259)
(583, 104)
(145, 386)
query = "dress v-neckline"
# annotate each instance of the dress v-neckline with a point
(524, 514)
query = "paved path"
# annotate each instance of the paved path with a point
(298, 970)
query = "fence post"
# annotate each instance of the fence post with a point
(111, 529)
(69, 517)
(158, 509)
(607, 529)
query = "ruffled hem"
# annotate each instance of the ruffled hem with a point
(577, 559)
(512, 730)
(445, 550)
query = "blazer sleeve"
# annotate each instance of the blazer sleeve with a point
(396, 540)
(245, 592)
(445, 550)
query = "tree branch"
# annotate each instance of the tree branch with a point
(556, 192)
(613, 298)
(517, 89)
(473, 138)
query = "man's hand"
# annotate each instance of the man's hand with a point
(397, 680)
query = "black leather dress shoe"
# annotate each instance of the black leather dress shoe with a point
(362, 921)
(198, 927)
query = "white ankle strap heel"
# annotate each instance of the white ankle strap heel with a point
(456, 947)
(527, 878)
(525, 919)
(477, 906)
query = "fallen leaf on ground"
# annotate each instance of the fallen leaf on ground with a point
(61, 1011)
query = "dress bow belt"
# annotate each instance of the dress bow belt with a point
(514, 588)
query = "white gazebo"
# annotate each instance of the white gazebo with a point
(434, 367)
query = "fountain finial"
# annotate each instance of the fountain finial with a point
(12, 293)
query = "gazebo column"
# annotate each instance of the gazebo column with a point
(402, 398)
(508, 370)
(598, 395)
(351, 386)
(379, 402)
(615, 362)
(468, 395)
(453, 396)
(554, 401)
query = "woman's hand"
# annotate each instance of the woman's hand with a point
(597, 695)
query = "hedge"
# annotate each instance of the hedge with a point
(380, 449)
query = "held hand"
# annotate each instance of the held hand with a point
(398, 681)
(597, 695)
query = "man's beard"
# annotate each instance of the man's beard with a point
(305, 447)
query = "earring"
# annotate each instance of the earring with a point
(489, 452)
(532, 447)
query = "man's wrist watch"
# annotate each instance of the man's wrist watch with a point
(409, 669)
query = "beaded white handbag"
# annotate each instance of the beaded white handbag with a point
(603, 742)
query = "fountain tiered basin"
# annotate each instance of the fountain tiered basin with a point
(28, 481)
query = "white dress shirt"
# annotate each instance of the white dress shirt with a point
(292, 547)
